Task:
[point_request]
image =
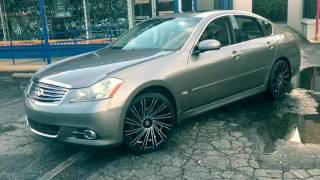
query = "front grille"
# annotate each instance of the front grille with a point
(47, 93)
(44, 128)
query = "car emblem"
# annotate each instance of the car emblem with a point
(39, 92)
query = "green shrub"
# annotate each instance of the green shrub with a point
(275, 10)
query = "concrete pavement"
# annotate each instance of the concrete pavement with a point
(249, 139)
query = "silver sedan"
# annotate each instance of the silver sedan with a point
(160, 72)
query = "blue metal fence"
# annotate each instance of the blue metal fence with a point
(35, 46)
(62, 44)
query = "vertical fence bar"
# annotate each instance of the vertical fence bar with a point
(86, 18)
(317, 34)
(45, 30)
(2, 23)
(176, 6)
(130, 13)
(195, 5)
(225, 4)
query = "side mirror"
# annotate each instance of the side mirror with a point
(208, 45)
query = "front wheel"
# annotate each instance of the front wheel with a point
(148, 123)
(279, 80)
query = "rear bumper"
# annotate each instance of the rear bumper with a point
(66, 122)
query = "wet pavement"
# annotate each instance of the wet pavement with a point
(309, 52)
(250, 139)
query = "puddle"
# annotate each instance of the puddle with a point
(294, 119)
(308, 78)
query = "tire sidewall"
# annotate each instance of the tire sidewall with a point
(126, 141)
(270, 92)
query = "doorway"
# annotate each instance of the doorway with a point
(140, 10)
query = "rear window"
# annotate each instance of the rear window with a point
(247, 29)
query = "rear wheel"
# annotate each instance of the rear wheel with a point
(279, 80)
(148, 123)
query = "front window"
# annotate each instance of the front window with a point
(158, 34)
(219, 29)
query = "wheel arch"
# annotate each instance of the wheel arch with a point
(286, 60)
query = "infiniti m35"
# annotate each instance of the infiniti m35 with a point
(137, 90)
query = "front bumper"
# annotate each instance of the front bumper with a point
(66, 121)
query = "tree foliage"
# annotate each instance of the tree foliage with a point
(275, 10)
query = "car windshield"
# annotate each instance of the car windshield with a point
(158, 34)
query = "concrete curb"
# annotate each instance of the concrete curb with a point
(22, 75)
(19, 69)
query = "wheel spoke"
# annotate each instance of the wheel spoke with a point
(136, 114)
(134, 131)
(162, 124)
(285, 82)
(283, 88)
(159, 109)
(145, 140)
(285, 72)
(132, 122)
(163, 116)
(153, 103)
(274, 87)
(153, 138)
(278, 90)
(143, 108)
(162, 136)
(285, 76)
(135, 140)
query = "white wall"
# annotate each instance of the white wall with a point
(295, 14)
(243, 5)
(205, 5)
(309, 29)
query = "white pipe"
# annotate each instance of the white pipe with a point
(2, 23)
(86, 23)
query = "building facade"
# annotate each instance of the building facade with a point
(85, 25)
(302, 17)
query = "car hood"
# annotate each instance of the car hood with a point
(87, 69)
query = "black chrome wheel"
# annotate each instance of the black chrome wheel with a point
(279, 80)
(148, 123)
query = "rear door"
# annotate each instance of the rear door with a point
(259, 48)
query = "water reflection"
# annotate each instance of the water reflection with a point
(296, 118)
(308, 79)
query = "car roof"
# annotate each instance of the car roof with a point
(206, 14)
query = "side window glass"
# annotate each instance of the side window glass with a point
(247, 29)
(267, 27)
(218, 29)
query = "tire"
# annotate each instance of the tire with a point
(279, 80)
(148, 123)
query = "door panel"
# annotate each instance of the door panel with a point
(215, 74)
(258, 51)
(258, 57)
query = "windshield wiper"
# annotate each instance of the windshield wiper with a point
(115, 47)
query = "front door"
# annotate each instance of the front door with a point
(214, 74)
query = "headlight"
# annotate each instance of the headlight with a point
(101, 90)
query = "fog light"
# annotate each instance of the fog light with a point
(89, 134)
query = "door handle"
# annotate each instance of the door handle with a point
(270, 45)
(235, 55)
